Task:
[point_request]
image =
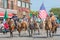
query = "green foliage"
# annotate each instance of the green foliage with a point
(56, 11)
(34, 12)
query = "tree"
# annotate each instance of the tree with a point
(56, 12)
(34, 12)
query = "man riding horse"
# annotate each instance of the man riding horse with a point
(53, 21)
(50, 24)
(15, 18)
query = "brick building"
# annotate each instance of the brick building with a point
(9, 5)
(23, 7)
(19, 7)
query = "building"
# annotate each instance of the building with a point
(19, 7)
(9, 5)
(23, 8)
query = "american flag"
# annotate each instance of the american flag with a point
(42, 12)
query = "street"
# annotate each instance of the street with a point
(24, 36)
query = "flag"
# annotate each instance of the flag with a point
(6, 15)
(4, 20)
(42, 12)
(30, 14)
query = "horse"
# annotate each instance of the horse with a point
(12, 26)
(48, 25)
(22, 26)
(33, 26)
(51, 26)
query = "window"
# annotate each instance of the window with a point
(5, 3)
(11, 4)
(23, 4)
(19, 3)
(27, 5)
(1, 4)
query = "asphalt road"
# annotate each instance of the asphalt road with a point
(24, 36)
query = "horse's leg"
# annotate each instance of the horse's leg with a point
(54, 31)
(34, 29)
(47, 32)
(38, 32)
(29, 31)
(50, 33)
(19, 30)
(11, 33)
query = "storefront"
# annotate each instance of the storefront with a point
(10, 13)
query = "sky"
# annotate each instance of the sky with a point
(36, 4)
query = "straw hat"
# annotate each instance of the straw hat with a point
(51, 13)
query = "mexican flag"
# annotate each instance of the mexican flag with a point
(30, 14)
(4, 20)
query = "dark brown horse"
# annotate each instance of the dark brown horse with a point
(33, 26)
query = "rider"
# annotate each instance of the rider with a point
(25, 18)
(15, 18)
(53, 18)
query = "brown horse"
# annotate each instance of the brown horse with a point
(50, 25)
(22, 26)
(12, 26)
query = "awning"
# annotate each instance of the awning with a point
(9, 14)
